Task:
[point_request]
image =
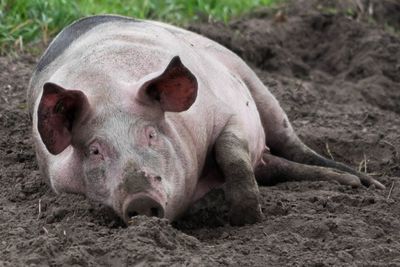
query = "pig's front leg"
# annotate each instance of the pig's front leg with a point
(241, 190)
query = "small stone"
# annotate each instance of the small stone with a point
(224, 235)
(59, 213)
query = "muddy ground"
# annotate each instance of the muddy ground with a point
(335, 70)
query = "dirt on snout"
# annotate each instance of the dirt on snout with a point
(336, 71)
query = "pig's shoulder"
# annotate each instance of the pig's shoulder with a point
(73, 32)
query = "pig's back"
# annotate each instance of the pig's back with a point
(61, 43)
(152, 45)
(123, 50)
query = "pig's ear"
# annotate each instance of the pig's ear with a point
(175, 89)
(59, 109)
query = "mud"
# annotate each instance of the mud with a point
(336, 73)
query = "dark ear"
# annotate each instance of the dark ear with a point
(175, 89)
(58, 111)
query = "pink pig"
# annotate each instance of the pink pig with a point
(146, 118)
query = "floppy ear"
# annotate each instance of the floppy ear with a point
(58, 111)
(175, 89)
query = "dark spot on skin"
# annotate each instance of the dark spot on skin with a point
(73, 32)
(158, 178)
(247, 103)
(285, 123)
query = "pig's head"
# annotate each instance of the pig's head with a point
(124, 154)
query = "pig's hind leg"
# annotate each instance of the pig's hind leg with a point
(283, 141)
(275, 169)
(241, 189)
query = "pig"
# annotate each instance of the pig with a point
(146, 118)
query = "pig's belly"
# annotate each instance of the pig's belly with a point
(211, 178)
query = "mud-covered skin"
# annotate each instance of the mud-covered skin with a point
(276, 169)
(297, 152)
(241, 190)
(96, 180)
(158, 101)
(133, 180)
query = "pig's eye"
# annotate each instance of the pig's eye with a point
(94, 151)
(152, 135)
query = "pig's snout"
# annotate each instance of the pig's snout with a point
(142, 205)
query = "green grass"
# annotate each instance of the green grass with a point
(27, 23)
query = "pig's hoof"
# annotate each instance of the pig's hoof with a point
(245, 214)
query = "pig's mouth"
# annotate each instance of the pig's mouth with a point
(142, 204)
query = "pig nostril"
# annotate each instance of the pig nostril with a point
(154, 212)
(143, 205)
(132, 214)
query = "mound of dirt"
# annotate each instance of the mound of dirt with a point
(338, 78)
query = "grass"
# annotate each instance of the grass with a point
(26, 23)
